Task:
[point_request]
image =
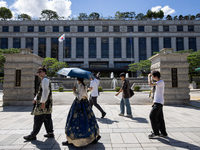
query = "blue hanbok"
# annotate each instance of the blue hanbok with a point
(81, 126)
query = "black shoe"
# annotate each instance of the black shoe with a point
(29, 138)
(103, 115)
(96, 140)
(66, 143)
(153, 136)
(49, 135)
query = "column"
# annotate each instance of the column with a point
(185, 28)
(60, 52)
(61, 29)
(35, 46)
(36, 28)
(186, 43)
(110, 28)
(136, 50)
(123, 50)
(148, 47)
(86, 61)
(161, 46)
(10, 42)
(173, 40)
(48, 47)
(73, 48)
(23, 42)
(198, 43)
(111, 52)
(135, 29)
(86, 28)
(98, 42)
(160, 28)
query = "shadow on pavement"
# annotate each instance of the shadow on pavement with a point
(90, 146)
(140, 120)
(17, 109)
(106, 120)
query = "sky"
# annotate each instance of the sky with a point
(105, 8)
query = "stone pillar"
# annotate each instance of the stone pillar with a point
(160, 28)
(111, 52)
(110, 28)
(136, 50)
(198, 43)
(11, 28)
(48, 47)
(161, 46)
(173, 40)
(20, 77)
(23, 42)
(135, 29)
(86, 53)
(35, 46)
(36, 28)
(185, 28)
(98, 47)
(73, 47)
(61, 29)
(148, 47)
(86, 28)
(60, 52)
(174, 72)
(186, 43)
(10, 42)
(123, 50)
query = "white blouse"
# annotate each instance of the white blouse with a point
(81, 92)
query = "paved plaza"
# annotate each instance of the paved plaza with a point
(118, 133)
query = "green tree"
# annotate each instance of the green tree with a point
(140, 16)
(169, 17)
(53, 66)
(24, 17)
(150, 14)
(175, 17)
(82, 16)
(186, 17)
(118, 15)
(180, 17)
(5, 13)
(49, 15)
(94, 16)
(143, 66)
(198, 16)
(160, 14)
(132, 15)
(192, 17)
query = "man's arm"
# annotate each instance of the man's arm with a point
(45, 92)
(119, 92)
(150, 81)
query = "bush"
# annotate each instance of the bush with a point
(137, 88)
(60, 89)
(100, 89)
(117, 89)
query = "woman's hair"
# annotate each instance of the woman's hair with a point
(81, 80)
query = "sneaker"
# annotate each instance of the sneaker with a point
(129, 116)
(153, 136)
(29, 138)
(103, 115)
(163, 135)
(49, 135)
(121, 114)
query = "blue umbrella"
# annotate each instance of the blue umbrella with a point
(76, 72)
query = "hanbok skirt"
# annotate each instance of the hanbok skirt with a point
(81, 127)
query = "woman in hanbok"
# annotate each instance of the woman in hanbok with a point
(81, 126)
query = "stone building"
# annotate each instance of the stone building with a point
(106, 46)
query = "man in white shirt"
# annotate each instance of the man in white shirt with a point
(156, 114)
(94, 94)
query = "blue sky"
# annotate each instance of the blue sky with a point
(103, 7)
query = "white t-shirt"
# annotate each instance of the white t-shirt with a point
(94, 84)
(159, 93)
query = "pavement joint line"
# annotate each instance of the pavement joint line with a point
(192, 105)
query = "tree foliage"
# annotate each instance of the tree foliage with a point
(82, 16)
(53, 66)
(49, 15)
(94, 16)
(5, 13)
(143, 66)
(169, 17)
(24, 17)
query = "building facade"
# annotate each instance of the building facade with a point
(105, 46)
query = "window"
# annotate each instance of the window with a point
(98, 64)
(67, 48)
(30, 28)
(29, 43)
(129, 28)
(16, 43)
(129, 47)
(192, 43)
(166, 28)
(155, 28)
(66, 28)
(91, 28)
(190, 28)
(104, 47)
(142, 49)
(54, 48)
(5, 29)
(121, 65)
(105, 28)
(167, 42)
(41, 28)
(117, 47)
(179, 28)
(179, 44)
(154, 45)
(42, 47)
(116, 28)
(79, 48)
(55, 28)
(80, 28)
(3, 43)
(141, 28)
(16, 28)
(92, 47)
(75, 64)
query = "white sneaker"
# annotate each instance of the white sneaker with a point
(121, 114)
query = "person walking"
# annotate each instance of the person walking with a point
(94, 84)
(125, 96)
(156, 114)
(81, 127)
(43, 107)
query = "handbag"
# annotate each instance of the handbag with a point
(131, 93)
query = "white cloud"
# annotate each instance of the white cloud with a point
(34, 7)
(166, 9)
(3, 4)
